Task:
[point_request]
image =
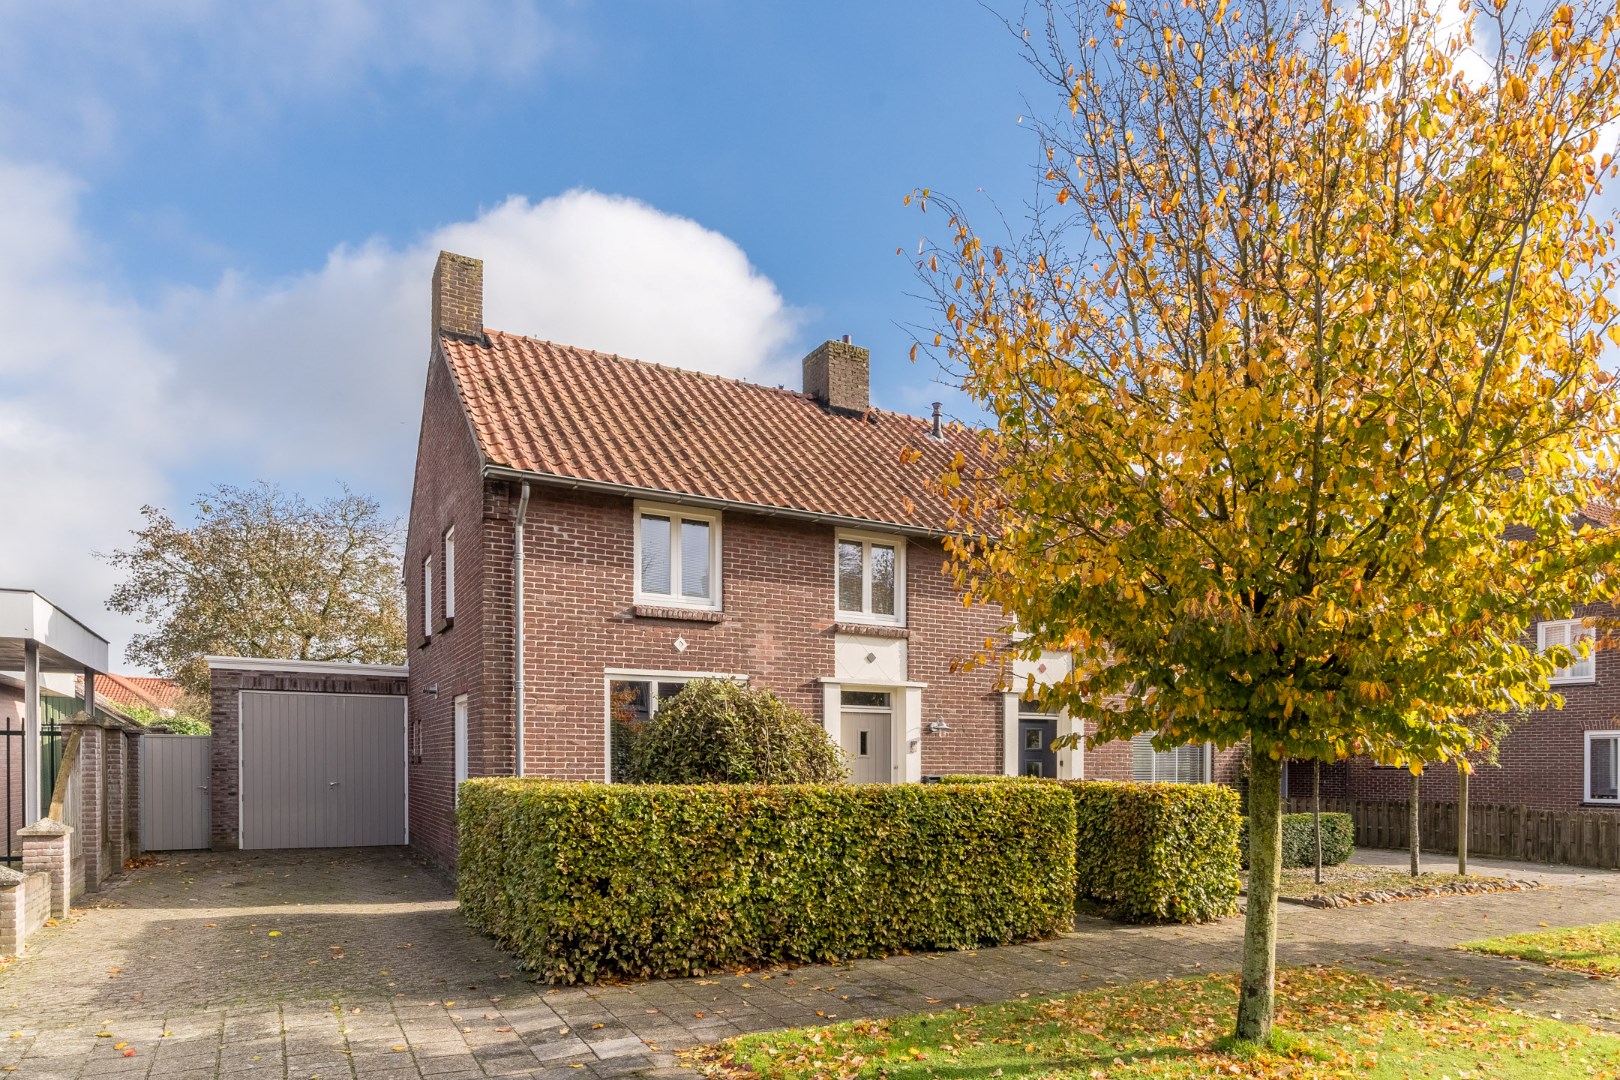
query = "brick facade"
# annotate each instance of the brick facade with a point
(225, 715)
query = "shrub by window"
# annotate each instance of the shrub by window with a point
(589, 881)
(716, 731)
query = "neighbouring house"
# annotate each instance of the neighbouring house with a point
(587, 532)
(1551, 759)
(162, 696)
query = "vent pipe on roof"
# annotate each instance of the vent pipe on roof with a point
(939, 430)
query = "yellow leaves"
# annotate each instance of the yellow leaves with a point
(1516, 89)
(1062, 196)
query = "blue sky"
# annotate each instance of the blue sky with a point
(219, 219)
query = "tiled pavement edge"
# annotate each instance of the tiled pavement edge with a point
(356, 964)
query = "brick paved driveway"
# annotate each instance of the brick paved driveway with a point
(356, 964)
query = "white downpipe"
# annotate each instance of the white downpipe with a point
(517, 576)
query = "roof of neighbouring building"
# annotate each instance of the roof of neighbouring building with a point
(560, 411)
(141, 691)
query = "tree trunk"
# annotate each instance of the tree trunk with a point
(1412, 822)
(1256, 999)
(1316, 814)
(1462, 818)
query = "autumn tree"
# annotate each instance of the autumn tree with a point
(1308, 312)
(260, 572)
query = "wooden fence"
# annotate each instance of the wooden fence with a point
(1567, 837)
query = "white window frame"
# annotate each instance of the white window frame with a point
(458, 739)
(450, 572)
(865, 615)
(674, 598)
(427, 597)
(1586, 767)
(1572, 674)
(613, 675)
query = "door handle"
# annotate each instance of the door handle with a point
(332, 783)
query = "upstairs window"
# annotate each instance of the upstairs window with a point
(1570, 633)
(450, 572)
(871, 578)
(1603, 766)
(677, 556)
(1178, 765)
(427, 597)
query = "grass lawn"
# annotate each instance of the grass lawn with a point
(1594, 950)
(1334, 1023)
(1352, 878)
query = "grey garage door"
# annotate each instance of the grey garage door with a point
(322, 770)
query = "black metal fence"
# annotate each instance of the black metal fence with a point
(15, 760)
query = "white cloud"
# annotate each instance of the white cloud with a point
(105, 405)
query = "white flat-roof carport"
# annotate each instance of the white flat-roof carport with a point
(37, 637)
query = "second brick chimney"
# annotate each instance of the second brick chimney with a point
(458, 296)
(839, 375)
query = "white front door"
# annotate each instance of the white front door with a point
(866, 732)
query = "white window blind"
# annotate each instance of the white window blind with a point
(1179, 765)
(1603, 766)
(678, 557)
(1569, 633)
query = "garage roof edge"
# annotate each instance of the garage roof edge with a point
(322, 667)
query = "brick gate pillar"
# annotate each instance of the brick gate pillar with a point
(48, 849)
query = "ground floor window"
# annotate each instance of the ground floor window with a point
(1180, 765)
(1603, 766)
(631, 703)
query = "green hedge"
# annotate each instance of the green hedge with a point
(587, 881)
(1152, 852)
(1299, 839)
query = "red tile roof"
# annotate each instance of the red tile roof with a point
(556, 410)
(124, 691)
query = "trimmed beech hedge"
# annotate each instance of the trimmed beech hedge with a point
(587, 881)
(1299, 839)
(1151, 852)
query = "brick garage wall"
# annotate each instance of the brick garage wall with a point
(225, 714)
(449, 490)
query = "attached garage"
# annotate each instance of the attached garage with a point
(307, 754)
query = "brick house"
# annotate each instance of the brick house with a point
(587, 532)
(1551, 759)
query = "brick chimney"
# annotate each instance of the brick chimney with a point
(839, 375)
(458, 296)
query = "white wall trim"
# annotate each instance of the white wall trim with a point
(322, 667)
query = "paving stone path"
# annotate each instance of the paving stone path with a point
(356, 964)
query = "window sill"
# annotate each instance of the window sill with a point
(865, 629)
(1588, 681)
(1601, 804)
(681, 614)
(444, 624)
